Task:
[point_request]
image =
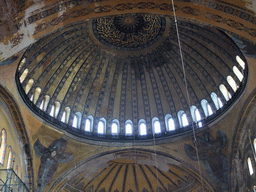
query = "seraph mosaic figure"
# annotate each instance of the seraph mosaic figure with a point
(210, 153)
(50, 157)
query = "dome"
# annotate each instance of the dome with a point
(121, 78)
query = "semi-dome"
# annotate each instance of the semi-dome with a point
(120, 78)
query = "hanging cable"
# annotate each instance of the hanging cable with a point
(186, 86)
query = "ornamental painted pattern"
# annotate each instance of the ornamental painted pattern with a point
(129, 31)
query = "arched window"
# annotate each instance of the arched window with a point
(128, 127)
(10, 158)
(142, 127)
(24, 75)
(206, 107)
(232, 83)
(57, 108)
(22, 63)
(65, 115)
(156, 125)
(102, 126)
(75, 121)
(37, 93)
(225, 92)
(3, 146)
(183, 120)
(29, 85)
(196, 115)
(249, 162)
(215, 100)
(88, 123)
(52, 110)
(220, 102)
(45, 102)
(238, 73)
(115, 127)
(169, 122)
(240, 61)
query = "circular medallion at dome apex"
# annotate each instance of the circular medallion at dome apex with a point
(68, 79)
(129, 31)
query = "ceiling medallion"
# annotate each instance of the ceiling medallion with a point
(129, 31)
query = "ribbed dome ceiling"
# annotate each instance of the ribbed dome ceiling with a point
(127, 70)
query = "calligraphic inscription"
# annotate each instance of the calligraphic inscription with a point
(129, 31)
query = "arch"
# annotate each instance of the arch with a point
(215, 100)
(169, 123)
(183, 120)
(24, 75)
(238, 73)
(88, 123)
(22, 132)
(232, 83)
(250, 167)
(29, 85)
(3, 146)
(115, 127)
(225, 92)
(101, 129)
(128, 127)
(142, 127)
(156, 125)
(240, 61)
(10, 159)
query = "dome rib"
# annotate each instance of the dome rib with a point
(102, 82)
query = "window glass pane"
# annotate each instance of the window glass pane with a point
(184, 120)
(197, 114)
(220, 102)
(251, 171)
(232, 83)
(3, 146)
(42, 105)
(87, 125)
(52, 111)
(240, 61)
(75, 120)
(63, 118)
(128, 129)
(171, 125)
(24, 75)
(114, 128)
(143, 129)
(157, 127)
(225, 92)
(101, 127)
(209, 109)
(238, 73)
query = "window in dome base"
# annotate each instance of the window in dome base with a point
(128, 128)
(142, 127)
(115, 127)
(101, 126)
(156, 125)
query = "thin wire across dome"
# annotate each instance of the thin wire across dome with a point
(88, 80)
